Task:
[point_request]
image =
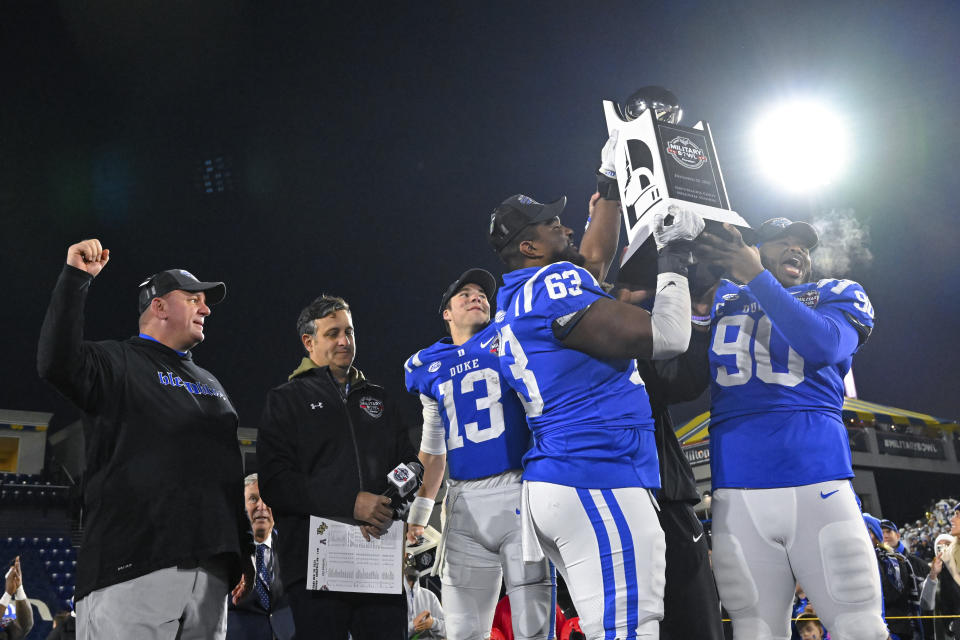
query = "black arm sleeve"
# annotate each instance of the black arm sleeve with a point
(81, 371)
(683, 377)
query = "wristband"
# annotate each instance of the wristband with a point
(703, 321)
(607, 187)
(420, 511)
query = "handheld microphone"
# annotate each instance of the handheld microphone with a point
(402, 485)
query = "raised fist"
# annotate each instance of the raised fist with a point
(89, 256)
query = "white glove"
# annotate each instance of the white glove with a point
(683, 225)
(608, 156)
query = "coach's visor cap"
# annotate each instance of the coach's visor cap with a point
(160, 284)
(480, 277)
(779, 227)
(517, 213)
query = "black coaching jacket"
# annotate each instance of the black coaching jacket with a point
(162, 485)
(317, 448)
(679, 379)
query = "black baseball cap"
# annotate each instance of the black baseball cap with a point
(480, 277)
(779, 227)
(518, 212)
(160, 284)
(886, 524)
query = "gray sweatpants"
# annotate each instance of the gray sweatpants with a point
(167, 604)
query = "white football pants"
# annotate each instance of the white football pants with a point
(767, 540)
(609, 547)
(482, 547)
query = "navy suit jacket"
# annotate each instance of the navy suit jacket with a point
(248, 620)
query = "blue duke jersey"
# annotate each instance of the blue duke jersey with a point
(591, 419)
(777, 358)
(484, 421)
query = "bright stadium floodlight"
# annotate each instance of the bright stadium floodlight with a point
(802, 146)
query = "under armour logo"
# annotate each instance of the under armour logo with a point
(318, 405)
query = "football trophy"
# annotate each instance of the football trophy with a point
(660, 166)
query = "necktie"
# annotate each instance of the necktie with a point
(262, 583)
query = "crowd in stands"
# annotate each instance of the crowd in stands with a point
(921, 535)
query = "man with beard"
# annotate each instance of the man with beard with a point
(780, 349)
(569, 350)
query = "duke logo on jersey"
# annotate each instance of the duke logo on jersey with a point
(777, 389)
(590, 418)
(484, 421)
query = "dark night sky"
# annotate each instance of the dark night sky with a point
(367, 146)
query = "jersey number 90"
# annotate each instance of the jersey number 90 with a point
(740, 348)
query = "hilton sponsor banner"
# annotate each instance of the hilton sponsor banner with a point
(697, 453)
(898, 444)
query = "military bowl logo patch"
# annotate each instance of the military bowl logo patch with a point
(433, 366)
(809, 298)
(686, 153)
(372, 406)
